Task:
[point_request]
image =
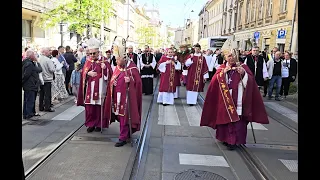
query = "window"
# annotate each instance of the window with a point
(240, 14)
(253, 15)
(261, 5)
(248, 12)
(230, 20)
(269, 7)
(283, 6)
(26, 28)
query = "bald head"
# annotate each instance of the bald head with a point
(130, 49)
(277, 55)
(45, 51)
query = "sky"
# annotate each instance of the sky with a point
(174, 12)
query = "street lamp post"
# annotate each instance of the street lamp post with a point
(61, 31)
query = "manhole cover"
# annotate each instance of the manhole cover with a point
(198, 175)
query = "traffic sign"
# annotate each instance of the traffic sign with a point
(281, 34)
(256, 35)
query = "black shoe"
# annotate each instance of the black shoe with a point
(49, 110)
(232, 147)
(224, 143)
(264, 95)
(120, 143)
(277, 99)
(27, 117)
(90, 129)
(191, 104)
(97, 129)
(165, 104)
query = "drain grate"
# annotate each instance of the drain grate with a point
(192, 174)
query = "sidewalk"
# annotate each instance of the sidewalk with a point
(55, 104)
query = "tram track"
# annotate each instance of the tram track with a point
(255, 165)
(133, 165)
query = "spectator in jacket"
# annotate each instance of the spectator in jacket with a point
(30, 84)
(289, 64)
(48, 70)
(274, 67)
(71, 59)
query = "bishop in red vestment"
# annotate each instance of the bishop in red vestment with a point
(117, 103)
(197, 75)
(232, 101)
(168, 68)
(94, 80)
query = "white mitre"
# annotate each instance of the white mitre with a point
(93, 43)
(119, 50)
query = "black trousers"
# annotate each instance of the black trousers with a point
(285, 86)
(147, 86)
(67, 80)
(265, 87)
(45, 96)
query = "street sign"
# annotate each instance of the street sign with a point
(256, 35)
(281, 34)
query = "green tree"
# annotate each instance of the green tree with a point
(145, 35)
(80, 14)
(170, 34)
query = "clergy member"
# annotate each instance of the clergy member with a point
(197, 75)
(125, 76)
(183, 55)
(93, 87)
(232, 101)
(148, 63)
(133, 56)
(168, 67)
(258, 66)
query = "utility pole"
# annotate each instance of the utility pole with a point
(128, 11)
(102, 28)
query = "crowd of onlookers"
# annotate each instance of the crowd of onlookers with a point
(280, 68)
(52, 74)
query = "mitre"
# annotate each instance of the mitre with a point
(93, 43)
(119, 50)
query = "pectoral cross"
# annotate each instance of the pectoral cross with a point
(197, 82)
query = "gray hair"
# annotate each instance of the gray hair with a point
(44, 49)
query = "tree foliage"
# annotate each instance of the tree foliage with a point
(170, 34)
(145, 35)
(79, 14)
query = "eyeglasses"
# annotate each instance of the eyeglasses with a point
(94, 53)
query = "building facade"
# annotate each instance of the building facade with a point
(141, 21)
(265, 23)
(229, 17)
(203, 22)
(155, 23)
(215, 9)
(32, 35)
(178, 36)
